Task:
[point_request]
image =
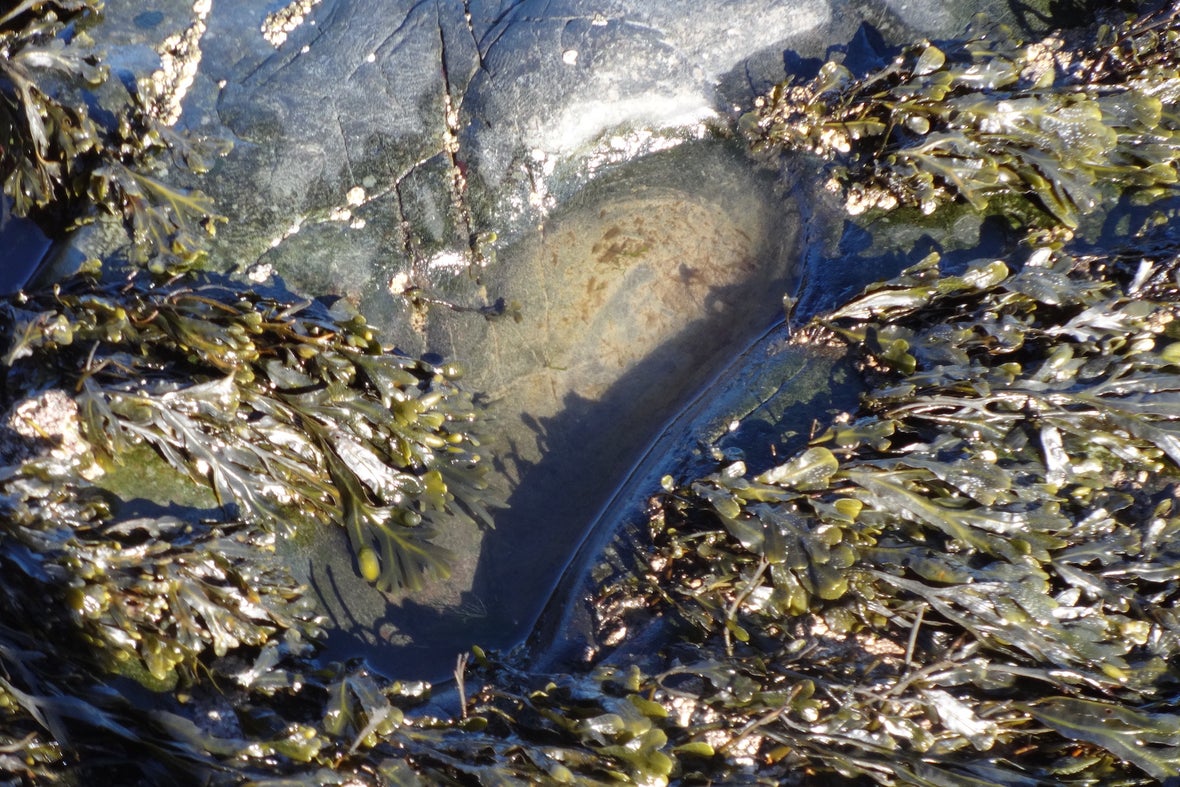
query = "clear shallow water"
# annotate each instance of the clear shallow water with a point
(643, 289)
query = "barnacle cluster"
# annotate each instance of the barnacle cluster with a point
(989, 116)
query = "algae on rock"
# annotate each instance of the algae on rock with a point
(61, 164)
(284, 409)
(1067, 128)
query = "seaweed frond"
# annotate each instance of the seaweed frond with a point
(975, 573)
(61, 165)
(273, 404)
(1066, 129)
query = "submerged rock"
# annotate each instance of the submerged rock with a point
(626, 302)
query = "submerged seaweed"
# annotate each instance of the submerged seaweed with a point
(1067, 128)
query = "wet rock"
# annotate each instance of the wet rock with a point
(499, 111)
(556, 77)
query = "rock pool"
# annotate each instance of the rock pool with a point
(553, 162)
(767, 485)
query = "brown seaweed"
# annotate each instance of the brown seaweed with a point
(992, 116)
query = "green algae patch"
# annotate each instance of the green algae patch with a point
(140, 475)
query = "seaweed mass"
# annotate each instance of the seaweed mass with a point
(970, 579)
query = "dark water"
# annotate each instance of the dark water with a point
(23, 246)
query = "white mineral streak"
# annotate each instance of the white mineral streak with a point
(180, 56)
(640, 141)
(277, 26)
(579, 126)
(448, 260)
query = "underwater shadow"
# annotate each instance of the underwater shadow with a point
(804, 385)
(593, 445)
(1034, 18)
